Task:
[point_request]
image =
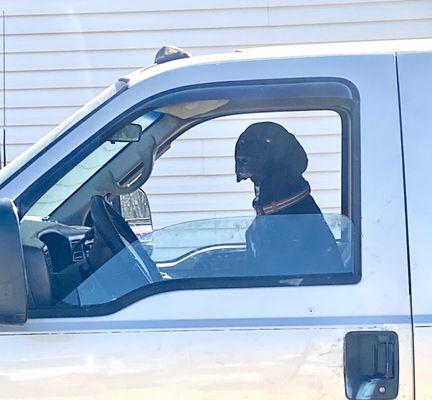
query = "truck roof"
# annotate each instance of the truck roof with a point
(288, 51)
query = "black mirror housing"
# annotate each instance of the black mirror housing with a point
(13, 282)
(129, 133)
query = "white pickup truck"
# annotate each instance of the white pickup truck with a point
(88, 311)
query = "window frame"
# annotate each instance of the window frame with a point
(344, 99)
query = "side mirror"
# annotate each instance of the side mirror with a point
(129, 133)
(135, 209)
(13, 282)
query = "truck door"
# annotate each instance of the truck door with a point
(415, 83)
(329, 334)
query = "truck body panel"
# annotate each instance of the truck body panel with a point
(266, 342)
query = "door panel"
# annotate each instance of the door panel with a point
(260, 343)
(416, 105)
(166, 362)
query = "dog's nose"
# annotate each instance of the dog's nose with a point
(241, 168)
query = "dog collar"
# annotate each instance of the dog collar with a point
(276, 206)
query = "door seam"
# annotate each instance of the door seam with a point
(406, 223)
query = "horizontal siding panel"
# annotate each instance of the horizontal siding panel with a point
(14, 150)
(136, 21)
(218, 18)
(350, 13)
(34, 116)
(317, 162)
(225, 165)
(284, 3)
(206, 166)
(238, 37)
(48, 7)
(62, 7)
(161, 220)
(24, 135)
(223, 202)
(200, 167)
(87, 78)
(170, 218)
(225, 147)
(80, 60)
(196, 184)
(71, 97)
(227, 183)
(230, 129)
(201, 202)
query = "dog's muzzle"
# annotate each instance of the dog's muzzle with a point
(242, 175)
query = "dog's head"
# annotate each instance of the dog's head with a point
(266, 148)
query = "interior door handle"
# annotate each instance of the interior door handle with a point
(371, 362)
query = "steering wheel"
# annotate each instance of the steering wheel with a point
(118, 236)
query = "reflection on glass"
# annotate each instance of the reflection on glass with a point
(286, 246)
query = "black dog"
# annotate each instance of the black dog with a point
(298, 241)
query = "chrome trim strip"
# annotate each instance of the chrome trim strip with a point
(422, 319)
(167, 264)
(53, 325)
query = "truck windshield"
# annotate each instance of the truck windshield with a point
(83, 171)
(18, 163)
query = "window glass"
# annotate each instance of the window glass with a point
(295, 249)
(196, 178)
(83, 171)
(74, 179)
(248, 196)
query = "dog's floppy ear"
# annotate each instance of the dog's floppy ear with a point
(295, 159)
(287, 153)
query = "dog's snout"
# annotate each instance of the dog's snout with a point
(241, 166)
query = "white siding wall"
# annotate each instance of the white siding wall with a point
(59, 54)
(195, 179)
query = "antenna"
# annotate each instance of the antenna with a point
(4, 88)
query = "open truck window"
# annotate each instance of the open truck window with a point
(246, 189)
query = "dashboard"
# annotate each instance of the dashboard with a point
(51, 247)
(48, 248)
